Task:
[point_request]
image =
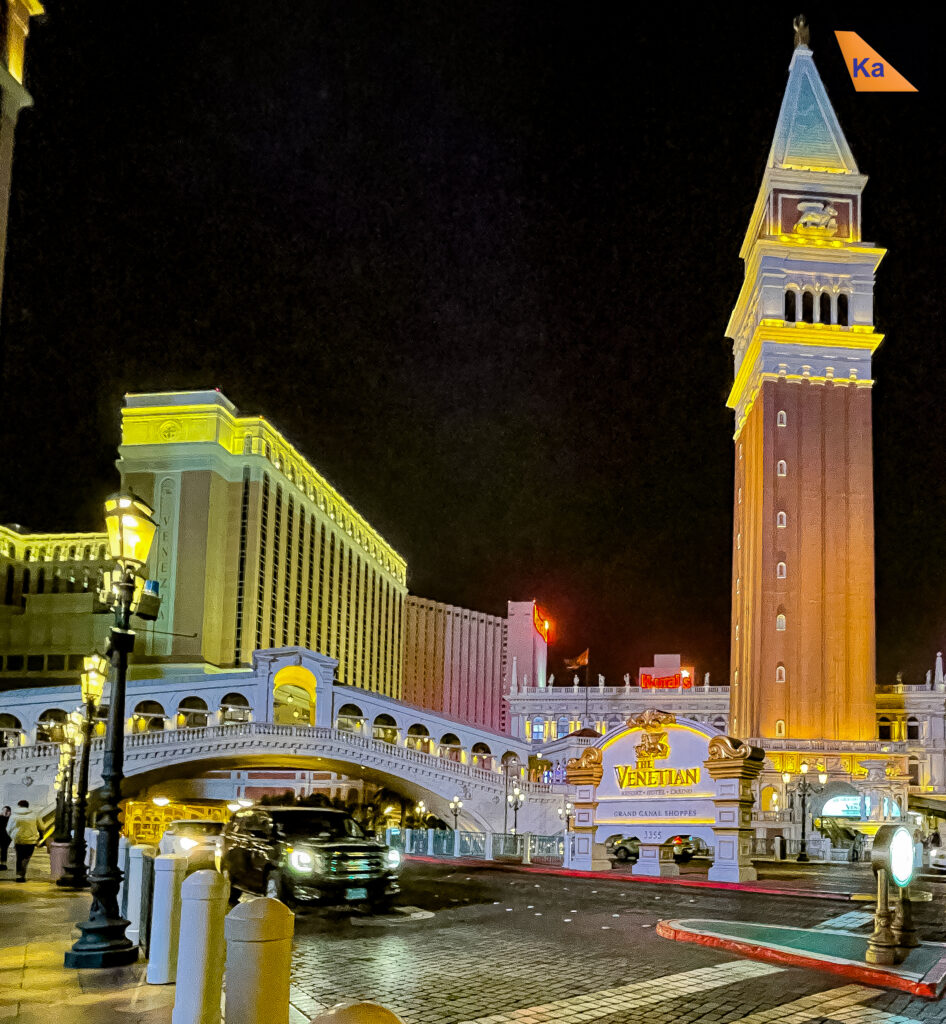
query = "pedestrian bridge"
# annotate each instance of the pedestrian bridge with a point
(287, 712)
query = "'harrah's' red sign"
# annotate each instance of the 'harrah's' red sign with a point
(674, 682)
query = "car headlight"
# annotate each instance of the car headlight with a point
(304, 860)
(187, 844)
(393, 858)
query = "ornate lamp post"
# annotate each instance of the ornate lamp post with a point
(63, 789)
(93, 685)
(515, 800)
(565, 815)
(804, 789)
(131, 531)
(455, 804)
(421, 811)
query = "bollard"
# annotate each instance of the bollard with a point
(169, 870)
(408, 841)
(430, 842)
(488, 848)
(456, 842)
(123, 846)
(358, 1013)
(259, 948)
(135, 876)
(201, 950)
(527, 848)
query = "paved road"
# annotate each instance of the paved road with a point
(559, 949)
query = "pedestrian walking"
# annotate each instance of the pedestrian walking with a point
(23, 829)
(4, 837)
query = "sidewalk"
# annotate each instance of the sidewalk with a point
(35, 988)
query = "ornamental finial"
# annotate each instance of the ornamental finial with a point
(802, 34)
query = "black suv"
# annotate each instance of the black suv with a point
(309, 854)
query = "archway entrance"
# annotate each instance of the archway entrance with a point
(294, 696)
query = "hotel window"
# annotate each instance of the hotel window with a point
(781, 420)
(738, 583)
(347, 678)
(300, 563)
(780, 673)
(781, 520)
(331, 594)
(780, 622)
(781, 467)
(914, 770)
(355, 671)
(364, 626)
(318, 614)
(824, 311)
(372, 634)
(308, 616)
(338, 601)
(274, 592)
(287, 578)
(780, 728)
(808, 307)
(781, 571)
(884, 729)
(913, 728)
(739, 496)
(790, 305)
(241, 567)
(738, 541)
(842, 309)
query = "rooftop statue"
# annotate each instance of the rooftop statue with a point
(802, 33)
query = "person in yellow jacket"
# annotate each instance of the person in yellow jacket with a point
(23, 829)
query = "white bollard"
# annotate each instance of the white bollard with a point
(169, 871)
(135, 870)
(358, 1013)
(259, 948)
(456, 842)
(527, 848)
(430, 842)
(488, 848)
(408, 841)
(201, 950)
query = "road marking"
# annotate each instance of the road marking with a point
(845, 922)
(608, 1002)
(837, 1004)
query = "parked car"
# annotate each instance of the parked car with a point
(622, 850)
(307, 854)
(937, 855)
(685, 848)
(196, 839)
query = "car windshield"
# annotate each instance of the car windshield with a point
(197, 828)
(317, 825)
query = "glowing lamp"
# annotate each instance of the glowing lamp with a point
(131, 530)
(93, 678)
(804, 767)
(893, 851)
(786, 777)
(233, 807)
(160, 801)
(823, 777)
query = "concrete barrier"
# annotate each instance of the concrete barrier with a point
(259, 949)
(133, 883)
(358, 1013)
(169, 870)
(201, 952)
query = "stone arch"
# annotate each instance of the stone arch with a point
(11, 731)
(482, 756)
(49, 725)
(451, 748)
(296, 704)
(350, 718)
(234, 708)
(848, 797)
(384, 728)
(418, 737)
(769, 799)
(148, 716)
(192, 713)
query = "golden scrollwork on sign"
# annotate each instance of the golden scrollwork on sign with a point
(653, 745)
(585, 770)
(652, 720)
(725, 748)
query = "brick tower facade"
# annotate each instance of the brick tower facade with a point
(803, 337)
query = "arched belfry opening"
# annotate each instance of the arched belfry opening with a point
(294, 696)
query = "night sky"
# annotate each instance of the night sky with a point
(476, 261)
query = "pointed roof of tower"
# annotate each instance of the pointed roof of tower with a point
(808, 136)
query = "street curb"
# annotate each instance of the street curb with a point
(930, 986)
(609, 876)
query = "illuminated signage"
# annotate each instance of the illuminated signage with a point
(643, 774)
(682, 679)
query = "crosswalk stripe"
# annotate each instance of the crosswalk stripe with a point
(837, 1004)
(607, 1002)
(852, 919)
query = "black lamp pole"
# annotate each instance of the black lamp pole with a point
(103, 942)
(75, 876)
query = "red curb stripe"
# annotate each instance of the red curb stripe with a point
(862, 973)
(609, 876)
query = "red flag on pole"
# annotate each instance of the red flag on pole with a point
(574, 663)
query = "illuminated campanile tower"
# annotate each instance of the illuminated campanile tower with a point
(803, 534)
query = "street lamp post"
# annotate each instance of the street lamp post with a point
(804, 789)
(515, 800)
(64, 788)
(131, 530)
(455, 804)
(422, 812)
(93, 684)
(565, 815)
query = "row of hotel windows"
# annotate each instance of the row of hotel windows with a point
(829, 312)
(257, 446)
(73, 553)
(55, 583)
(367, 643)
(41, 662)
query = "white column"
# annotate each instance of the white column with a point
(527, 848)
(201, 949)
(136, 857)
(169, 870)
(456, 842)
(258, 935)
(430, 842)
(488, 848)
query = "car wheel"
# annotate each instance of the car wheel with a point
(622, 853)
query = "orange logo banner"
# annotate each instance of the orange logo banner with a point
(868, 70)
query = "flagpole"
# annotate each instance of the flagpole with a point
(586, 691)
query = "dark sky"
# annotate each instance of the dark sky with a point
(476, 261)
